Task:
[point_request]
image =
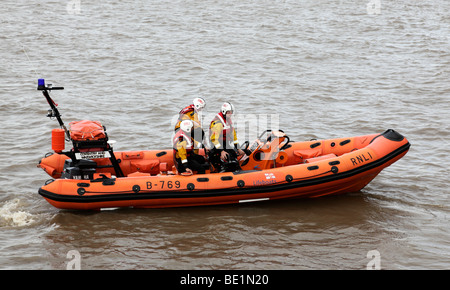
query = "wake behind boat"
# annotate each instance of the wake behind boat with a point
(92, 176)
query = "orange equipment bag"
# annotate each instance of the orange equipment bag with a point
(86, 130)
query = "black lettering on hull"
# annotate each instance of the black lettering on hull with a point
(362, 158)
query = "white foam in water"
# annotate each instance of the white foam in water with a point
(11, 215)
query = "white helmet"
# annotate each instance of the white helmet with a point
(186, 126)
(226, 107)
(199, 104)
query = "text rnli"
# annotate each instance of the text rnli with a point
(361, 158)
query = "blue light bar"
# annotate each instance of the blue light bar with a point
(41, 84)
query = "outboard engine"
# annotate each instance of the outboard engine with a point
(83, 169)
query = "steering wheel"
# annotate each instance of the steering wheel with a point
(244, 147)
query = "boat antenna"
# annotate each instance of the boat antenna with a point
(53, 112)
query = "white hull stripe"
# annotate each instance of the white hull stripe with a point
(253, 200)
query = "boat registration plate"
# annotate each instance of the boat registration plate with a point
(92, 155)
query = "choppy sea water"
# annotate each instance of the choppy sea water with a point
(327, 69)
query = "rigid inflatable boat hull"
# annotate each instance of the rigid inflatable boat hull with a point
(354, 163)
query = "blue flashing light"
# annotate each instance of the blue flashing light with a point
(41, 84)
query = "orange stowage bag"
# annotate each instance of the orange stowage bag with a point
(86, 130)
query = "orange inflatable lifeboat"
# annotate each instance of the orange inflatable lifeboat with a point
(91, 176)
(275, 169)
